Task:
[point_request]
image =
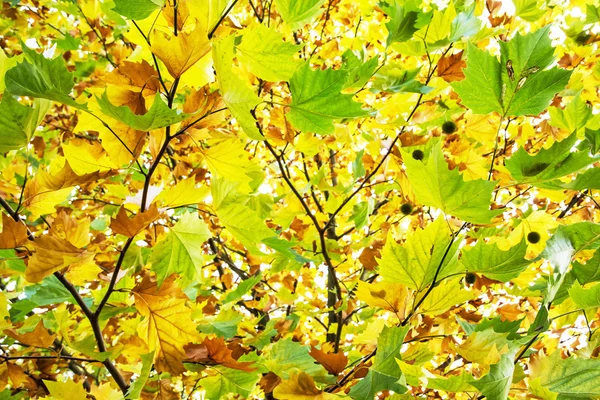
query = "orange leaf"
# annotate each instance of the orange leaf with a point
(130, 227)
(450, 67)
(19, 378)
(39, 337)
(334, 363)
(179, 53)
(13, 233)
(215, 350)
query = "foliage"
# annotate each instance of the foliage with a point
(299, 199)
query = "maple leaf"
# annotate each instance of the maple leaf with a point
(53, 254)
(334, 363)
(450, 68)
(38, 337)
(167, 324)
(180, 53)
(215, 351)
(14, 233)
(130, 227)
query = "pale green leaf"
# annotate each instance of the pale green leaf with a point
(242, 289)
(137, 9)
(245, 224)
(414, 263)
(227, 380)
(297, 13)
(266, 54)
(446, 295)
(137, 386)
(285, 355)
(385, 373)
(437, 186)
(181, 251)
(238, 97)
(6, 63)
(585, 297)
(572, 378)
(495, 385)
(573, 117)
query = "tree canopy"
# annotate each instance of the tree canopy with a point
(299, 199)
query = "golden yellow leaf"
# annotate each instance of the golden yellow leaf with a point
(68, 390)
(75, 230)
(53, 254)
(184, 193)
(179, 53)
(41, 201)
(39, 337)
(65, 178)
(167, 324)
(85, 158)
(300, 386)
(393, 297)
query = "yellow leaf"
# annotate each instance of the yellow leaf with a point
(485, 347)
(179, 53)
(40, 201)
(68, 390)
(75, 230)
(301, 386)
(184, 193)
(85, 158)
(231, 162)
(52, 254)
(446, 295)
(106, 392)
(4, 315)
(167, 325)
(393, 297)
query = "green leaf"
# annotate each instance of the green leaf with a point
(481, 90)
(530, 10)
(297, 13)
(158, 116)
(494, 263)
(592, 137)
(225, 324)
(585, 298)
(242, 289)
(181, 251)
(392, 77)
(13, 121)
(6, 63)
(359, 73)
(227, 380)
(582, 235)
(590, 179)
(455, 383)
(465, 24)
(403, 18)
(437, 186)
(39, 77)
(518, 85)
(267, 55)
(137, 386)
(548, 164)
(588, 272)
(285, 355)
(385, 373)
(572, 378)
(415, 262)
(531, 87)
(573, 117)
(238, 97)
(592, 14)
(317, 101)
(496, 384)
(137, 9)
